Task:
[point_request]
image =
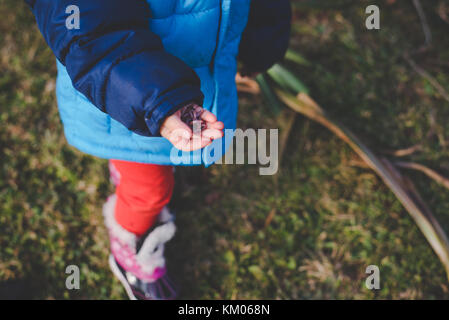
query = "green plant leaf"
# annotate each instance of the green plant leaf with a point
(287, 79)
(273, 101)
(296, 57)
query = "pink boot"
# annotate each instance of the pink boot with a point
(139, 263)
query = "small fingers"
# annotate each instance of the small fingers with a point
(182, 136)
(216, 125)
(208, 116)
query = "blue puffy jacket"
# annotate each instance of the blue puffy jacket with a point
(132, 63)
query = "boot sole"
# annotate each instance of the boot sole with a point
(116, 271)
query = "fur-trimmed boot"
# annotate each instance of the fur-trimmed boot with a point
(138, 262)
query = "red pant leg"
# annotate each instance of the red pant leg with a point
(142, 191)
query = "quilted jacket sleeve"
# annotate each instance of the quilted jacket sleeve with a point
(117, 62)
(266, 37)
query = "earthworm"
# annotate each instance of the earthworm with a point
(192, 113)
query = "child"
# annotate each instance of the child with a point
(128, 73)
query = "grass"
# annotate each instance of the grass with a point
(331, 218)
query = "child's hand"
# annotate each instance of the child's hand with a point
(181, 135)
